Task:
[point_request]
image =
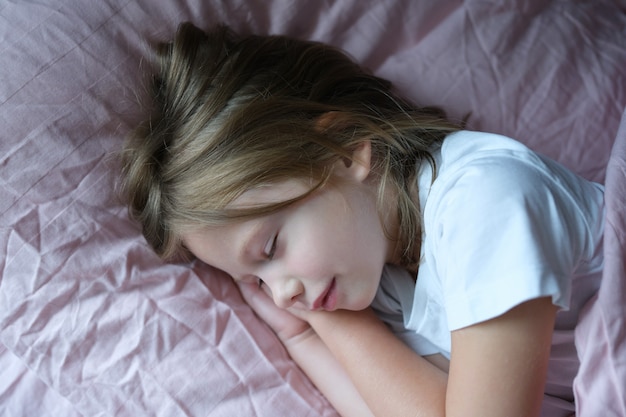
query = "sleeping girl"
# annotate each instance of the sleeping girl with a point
(409, 266)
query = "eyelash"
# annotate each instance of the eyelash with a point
(270, 254)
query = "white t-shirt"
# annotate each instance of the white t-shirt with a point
(501, 225)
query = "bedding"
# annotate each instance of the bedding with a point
(92, 323)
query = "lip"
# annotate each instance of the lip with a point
(327, 299)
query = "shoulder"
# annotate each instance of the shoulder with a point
(489, 170)
(469, 156)
(491, 183)
(503, 223)
(467, 143)
(483, 177)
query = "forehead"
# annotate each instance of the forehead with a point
(222, 246)
(270, 194)
(216, 246)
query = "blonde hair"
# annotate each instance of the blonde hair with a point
(233, 113)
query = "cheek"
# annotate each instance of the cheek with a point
(331, 240)
(311, 254)
(316, 248)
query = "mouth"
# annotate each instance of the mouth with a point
(328, 299)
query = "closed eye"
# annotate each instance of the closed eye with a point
(270, 247)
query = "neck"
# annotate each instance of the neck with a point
(391, 226)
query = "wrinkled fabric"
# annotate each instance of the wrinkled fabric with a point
(93, 323)
(601, 335)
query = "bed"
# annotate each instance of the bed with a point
(92, 323)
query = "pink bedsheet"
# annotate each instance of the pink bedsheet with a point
(93, 324)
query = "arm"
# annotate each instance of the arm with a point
(316, 360)
(498, 367)
(393, 380)
(310, 353)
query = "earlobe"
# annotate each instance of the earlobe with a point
(362, 161)
(359, 166)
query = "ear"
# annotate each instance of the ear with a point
(359, 167)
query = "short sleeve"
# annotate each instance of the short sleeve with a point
(501, 230)
(392, 304)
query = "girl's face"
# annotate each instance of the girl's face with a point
(326, 251)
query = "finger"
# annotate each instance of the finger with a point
(266, 288)
(253, 294)
(260, 301)
(264, 306)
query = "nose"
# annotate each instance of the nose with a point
(286, 292)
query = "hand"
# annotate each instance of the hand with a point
(308, 350)
(283, 322)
